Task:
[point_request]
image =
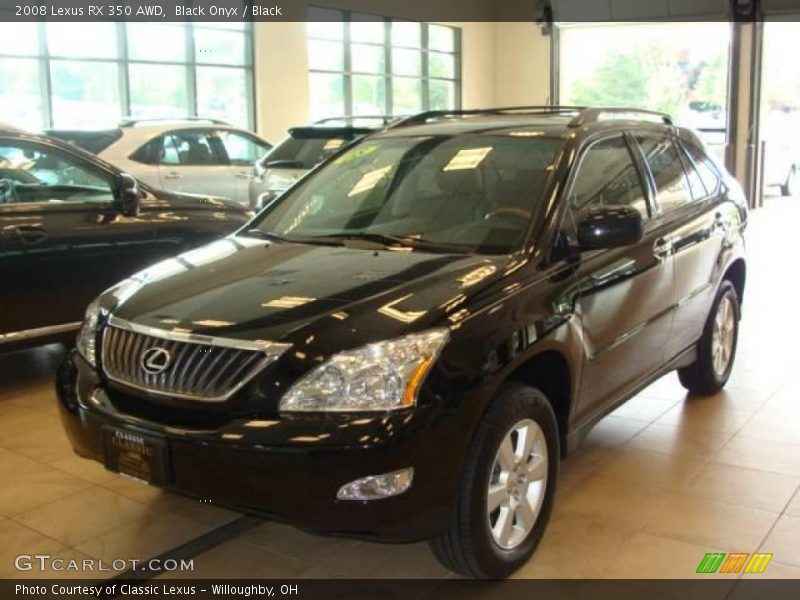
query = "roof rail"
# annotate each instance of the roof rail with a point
(429, 115)
(131, 121)
(594, 114)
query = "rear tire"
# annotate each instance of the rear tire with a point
(506, 494)
(716, 349)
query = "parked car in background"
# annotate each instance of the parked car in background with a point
(780, 132)
(197, 156)
(302, 150)
(72, 224)
(404, 345)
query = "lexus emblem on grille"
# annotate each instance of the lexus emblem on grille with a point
(155, 360)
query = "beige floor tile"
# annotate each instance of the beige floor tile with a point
(582, 463)
(744, 487)
(626, 504)
(648, 556)
(667, 387)
(295, 543)
(79, 517)
(16, 539)
(36, 486)
(564, 553)
(45, 441)
(237, 559)
(650, 469)
(711, 523)
(784, 541)
(646, 408)
(613, 431)
(386, 561)
(793, 509)
(90, 470)
(144, 538)
(753, 453)
(772, 429)
(677, 440)
(713, 413)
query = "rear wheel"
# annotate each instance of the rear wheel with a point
(716, 350)
(506, 495)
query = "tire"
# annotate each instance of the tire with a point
(469, 546)
(705, 376)
(788, 188)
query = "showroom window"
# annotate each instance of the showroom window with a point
(678, 68)
(365, 65)
(90, 75)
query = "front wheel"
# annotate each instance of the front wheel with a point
(506, 495)
(716, 349)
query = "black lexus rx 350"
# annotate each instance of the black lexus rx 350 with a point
(404, 345)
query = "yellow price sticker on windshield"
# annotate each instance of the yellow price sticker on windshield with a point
(355, 154)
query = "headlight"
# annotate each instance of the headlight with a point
(87, 337)
(378, 377)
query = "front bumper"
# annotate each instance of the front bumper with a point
(289, 468)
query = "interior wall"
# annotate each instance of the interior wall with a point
(522, 64)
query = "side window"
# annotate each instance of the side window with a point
(667, 169)
(149, 153)
(607, 176)
(31, 173)
(188, 148)
(695, 181)
(241, 149)
(705, 168)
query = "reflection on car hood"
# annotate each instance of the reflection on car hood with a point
(249, 289)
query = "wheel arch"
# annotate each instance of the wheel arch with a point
(736, 273)
(549, 371)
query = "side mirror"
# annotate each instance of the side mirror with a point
(129, 196)
(610, 227)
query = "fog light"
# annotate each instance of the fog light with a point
(376, 487)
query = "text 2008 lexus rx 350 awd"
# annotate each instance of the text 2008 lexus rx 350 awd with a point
(404, 344)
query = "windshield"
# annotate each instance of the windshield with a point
(468, 193)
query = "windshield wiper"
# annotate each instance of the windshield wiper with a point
(379, 238)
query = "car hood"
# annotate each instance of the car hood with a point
(245, 288)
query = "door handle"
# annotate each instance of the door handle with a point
(662, 248)
(30, 234)
(172, 175)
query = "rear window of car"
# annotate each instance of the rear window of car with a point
(304, 152)
(92, 141)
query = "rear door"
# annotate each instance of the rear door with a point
(624, 294)
(193, 161)
(242, 150)
(63, 240)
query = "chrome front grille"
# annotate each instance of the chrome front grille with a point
(197, 367)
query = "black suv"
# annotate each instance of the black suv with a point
(71, 225)
(407, 342)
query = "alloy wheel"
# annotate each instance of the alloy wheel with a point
(723, 336)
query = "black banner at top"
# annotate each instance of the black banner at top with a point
(542, 11)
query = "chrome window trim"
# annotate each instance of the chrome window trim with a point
(27, 334)
(272, 351)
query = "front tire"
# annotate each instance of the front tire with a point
(506, 494)
(716, 349)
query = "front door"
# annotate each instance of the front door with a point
(241, 151)
(624, 294)
(63, 240)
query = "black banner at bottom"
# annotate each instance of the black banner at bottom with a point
(231, 589)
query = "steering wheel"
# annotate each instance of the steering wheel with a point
(513, 211)
(8, 191)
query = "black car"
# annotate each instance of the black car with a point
(72, 224)
(405, 344)
(302, 150)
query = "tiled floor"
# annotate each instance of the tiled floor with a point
(655, 486)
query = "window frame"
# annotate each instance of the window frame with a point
(43, 56)
(387, 75)
(659, 212)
